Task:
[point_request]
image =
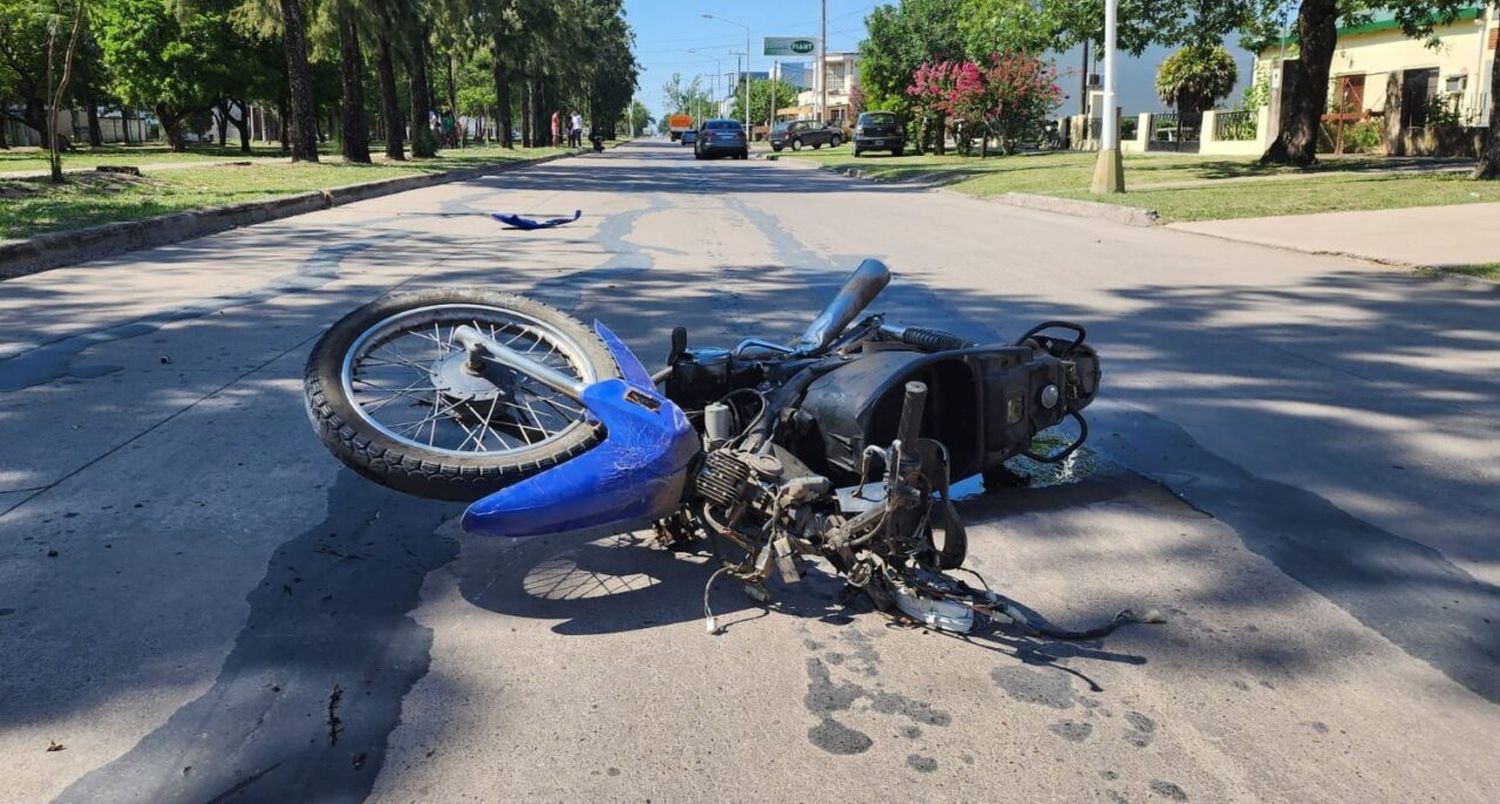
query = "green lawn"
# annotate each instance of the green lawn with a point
(1490, 271)
(33, 206)
(17, 159)
(1202, 187)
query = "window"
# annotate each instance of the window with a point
(1349, 94)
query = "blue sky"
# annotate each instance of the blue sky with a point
(666, 29)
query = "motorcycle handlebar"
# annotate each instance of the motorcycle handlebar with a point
(858, 291)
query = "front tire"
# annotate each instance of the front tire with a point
(345, 406)
(797, 144)
(835, 142)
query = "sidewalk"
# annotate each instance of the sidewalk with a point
(1436, 237)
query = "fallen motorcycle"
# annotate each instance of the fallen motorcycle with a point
(843, 444)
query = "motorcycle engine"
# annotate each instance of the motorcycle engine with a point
(751, 489)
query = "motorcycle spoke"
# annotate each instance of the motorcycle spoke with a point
(401, 372)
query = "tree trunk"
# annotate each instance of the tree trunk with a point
(423, 142)
(96, 137)
(527, 135)
(242, 123)
(4, 104)
(1305, 87)
(502, 92)
(453, 97)
(1489, 159)
(222, 121)
(543, 107)
(390, 109)
(125, 124)
(282, 130)
(352, 66)
(302, 124)
(171, 125)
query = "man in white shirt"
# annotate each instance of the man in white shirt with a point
(575, 135)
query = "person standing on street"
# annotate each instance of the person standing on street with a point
(556, 129)
(575, 136)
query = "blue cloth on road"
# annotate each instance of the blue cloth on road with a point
(519, 222)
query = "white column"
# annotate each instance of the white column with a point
(1111, 135)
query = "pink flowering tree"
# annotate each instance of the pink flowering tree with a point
(1021, 90)
(930, 92)
(1006, 97)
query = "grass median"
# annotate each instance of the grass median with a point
(151, 154)
(1191, 188)
(32, 206)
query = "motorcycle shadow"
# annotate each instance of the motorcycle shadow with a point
(626, 582)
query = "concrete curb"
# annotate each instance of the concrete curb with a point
(1114, 213)
(45, 252)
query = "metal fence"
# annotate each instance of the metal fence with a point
(1175, 132)
(1237, 126)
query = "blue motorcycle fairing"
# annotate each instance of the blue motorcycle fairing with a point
(636, 474)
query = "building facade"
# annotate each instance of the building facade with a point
(1380, 73)
(843, 77)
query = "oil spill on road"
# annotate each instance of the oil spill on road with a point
(826, 698)
(1168, 790)
(1074, 731)
(1142, 729)
(311, 690)
(921, 764)
(1044, 687)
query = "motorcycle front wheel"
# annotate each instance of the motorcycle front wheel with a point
(388, 394)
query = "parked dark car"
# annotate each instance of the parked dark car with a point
(799, 134)
(721, 138)
(879, 131)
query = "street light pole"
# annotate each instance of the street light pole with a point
(718, 69)
(709, 16)
(1109, 170)
(823, 68)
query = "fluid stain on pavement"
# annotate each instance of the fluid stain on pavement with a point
(1142, 729)
(1045, 687)
(312, 688)
(922, 764)
(825, 698)
(1168, 790)
(1074, 731)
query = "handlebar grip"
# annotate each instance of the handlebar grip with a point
(911, 414)
(933, 340)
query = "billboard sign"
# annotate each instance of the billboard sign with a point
(790, 45)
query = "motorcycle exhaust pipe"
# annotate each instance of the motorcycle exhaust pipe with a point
(858, 291)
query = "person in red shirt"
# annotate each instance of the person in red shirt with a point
(556, 129)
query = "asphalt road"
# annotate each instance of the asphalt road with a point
(1295, 459)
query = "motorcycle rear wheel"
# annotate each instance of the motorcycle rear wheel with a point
(385, 394)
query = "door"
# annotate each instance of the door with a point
(1419, 88)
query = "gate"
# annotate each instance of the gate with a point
(1175, 132)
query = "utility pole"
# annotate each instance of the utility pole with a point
(1109, 170)
(823, 68)
(1083, 81)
